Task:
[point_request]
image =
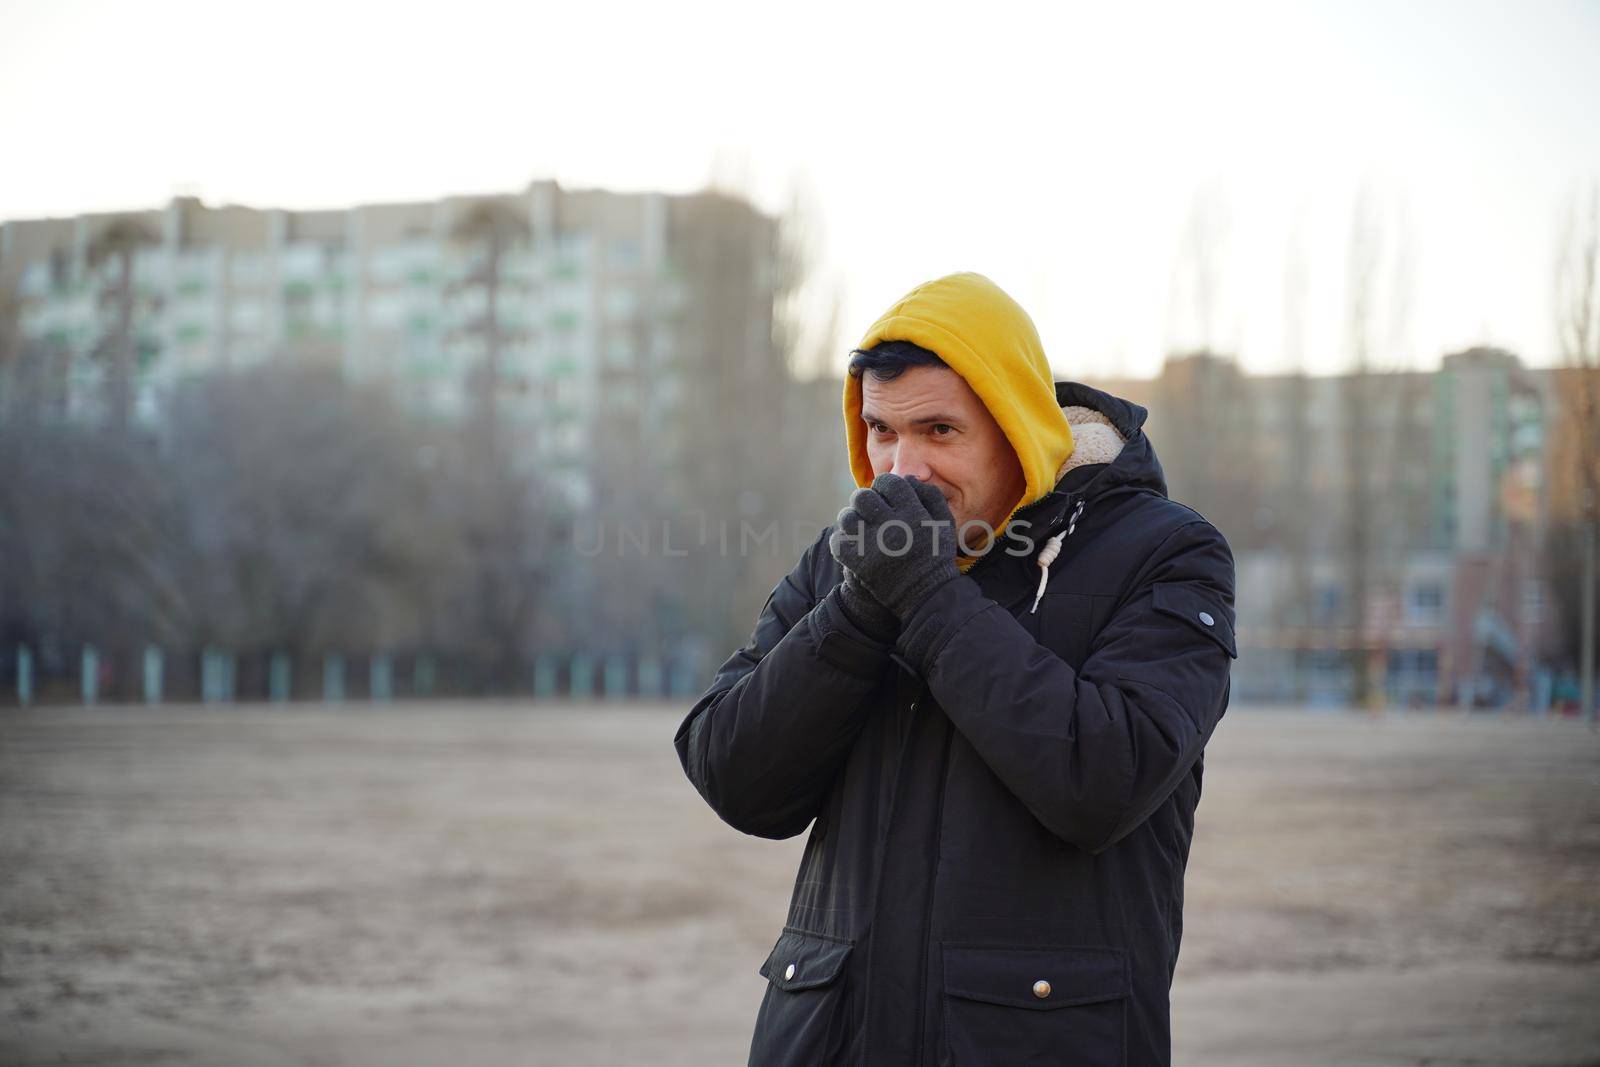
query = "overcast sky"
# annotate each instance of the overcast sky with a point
(1059, 149)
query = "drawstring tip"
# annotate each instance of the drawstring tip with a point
(1044, 577)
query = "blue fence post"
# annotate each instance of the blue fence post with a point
(616, 677)
(544, 676)
(332, 677)
(424, 674)
(152, 674)
(210, 683)
(650, 677)
(279, 680)
(682, 679)
(581, 669)
(380, 677)
(90, 675)
(24, 675)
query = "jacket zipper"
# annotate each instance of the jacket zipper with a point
(883, 844)
(933, 885)
(924, 949)
(1074, 501)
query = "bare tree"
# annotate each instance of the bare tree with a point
(1575, 458)
(806, 333)
(806, 314)
(88, 543)
(1378, 312)
(491, 483)
(280, 509)
(1196, 302)
(734, 469)
(13, 387)
(119, 243)
(1297, 506)
(323, 546)
(489, 230)
(1203, 420)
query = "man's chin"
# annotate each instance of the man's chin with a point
(973, 537)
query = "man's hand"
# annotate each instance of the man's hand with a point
(899, 540)
(865, 610)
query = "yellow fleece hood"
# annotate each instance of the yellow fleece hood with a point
(983, 335)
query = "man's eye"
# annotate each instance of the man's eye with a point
(942, 429)
(879, 427)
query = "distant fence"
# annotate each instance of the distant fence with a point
(153, 675)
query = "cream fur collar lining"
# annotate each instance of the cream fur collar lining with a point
(1094, 439)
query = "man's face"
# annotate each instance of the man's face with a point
(928, 424)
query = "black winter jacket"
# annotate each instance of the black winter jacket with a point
(1001, 804)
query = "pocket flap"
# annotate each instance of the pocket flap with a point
(805, 961)
(1037, 978)
(1200, 608)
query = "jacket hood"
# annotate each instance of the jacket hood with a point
(983, 335)
(1134, 466)
(1112, 456)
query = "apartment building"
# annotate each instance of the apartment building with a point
(1394, 518)
(546, 310)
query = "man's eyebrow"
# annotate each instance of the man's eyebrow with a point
(954, 420)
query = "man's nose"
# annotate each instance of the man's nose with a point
(910, 463)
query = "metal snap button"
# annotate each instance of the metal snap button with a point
(788, 972)
(1041, 989)
(1205, 617)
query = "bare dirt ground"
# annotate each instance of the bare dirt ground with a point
(496, 884)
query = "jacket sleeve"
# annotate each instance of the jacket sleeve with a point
(1091, 753)
(765, 741)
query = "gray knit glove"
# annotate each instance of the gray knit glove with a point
(863, 609)
(899, 539)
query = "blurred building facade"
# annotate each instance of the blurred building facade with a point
(1387, 524)
(549, 308)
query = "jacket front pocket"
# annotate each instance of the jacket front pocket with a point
(805, 1018)
(1035, 1006)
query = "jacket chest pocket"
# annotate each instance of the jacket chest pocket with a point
(1034, 1006)
(806, 1016)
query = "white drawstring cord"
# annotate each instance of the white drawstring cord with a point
(1047, 555)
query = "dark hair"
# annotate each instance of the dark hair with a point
(887, 360)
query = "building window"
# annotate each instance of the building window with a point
(623, 254)
(1329, 600)
(386, 310)
(1324, 664)
(1533, 601)
(620, 354)
(621, 304)
(247, 315)
(1425, 603)
(248, 270)
(1414, 661)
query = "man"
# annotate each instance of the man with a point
(997, 743)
